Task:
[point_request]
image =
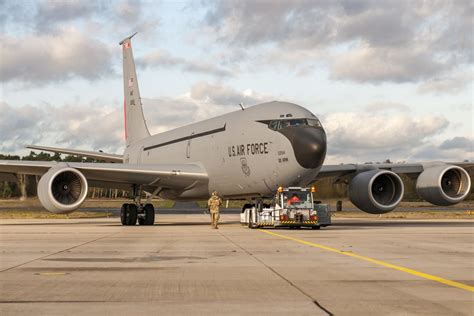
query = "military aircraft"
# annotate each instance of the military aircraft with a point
(244, 154)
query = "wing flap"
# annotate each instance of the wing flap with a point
(84, 153)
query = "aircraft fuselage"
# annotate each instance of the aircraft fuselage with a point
(246, 153)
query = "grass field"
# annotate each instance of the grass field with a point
(99, 203)
(41, 214)
(32, 209)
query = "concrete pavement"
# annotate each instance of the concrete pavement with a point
(180, 266)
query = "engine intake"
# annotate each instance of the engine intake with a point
(62, 190)
(376, 191)
(443, 185)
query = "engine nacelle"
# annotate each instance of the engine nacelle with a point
(443, 185)
(62, 190)
(376, 191)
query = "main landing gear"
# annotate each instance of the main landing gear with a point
(131, 213)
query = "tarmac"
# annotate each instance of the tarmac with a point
(180, 266)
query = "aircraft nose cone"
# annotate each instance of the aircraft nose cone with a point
(309, 145)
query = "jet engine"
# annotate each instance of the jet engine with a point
(443, 184)
(376, 191)
(62, 190)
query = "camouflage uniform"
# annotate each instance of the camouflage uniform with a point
(214, 204)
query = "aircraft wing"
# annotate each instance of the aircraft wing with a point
(377, 189)
(114, 175)
(84, 153)
(399, 168)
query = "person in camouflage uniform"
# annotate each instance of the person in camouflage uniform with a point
(214, 204)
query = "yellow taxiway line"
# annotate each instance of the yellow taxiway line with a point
(375, 261)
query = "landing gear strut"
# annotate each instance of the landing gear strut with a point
(253, 212)
(130, 213)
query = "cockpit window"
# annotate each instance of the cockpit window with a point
(314, 122)
(279, 124)
(274, 125)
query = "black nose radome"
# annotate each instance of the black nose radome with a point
(309, 145)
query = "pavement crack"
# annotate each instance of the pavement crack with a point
(316, 303)
(57, 252)
(322, 308)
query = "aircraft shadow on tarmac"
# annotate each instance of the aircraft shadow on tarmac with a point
(336, 226)
(185, 224)
(52, 223)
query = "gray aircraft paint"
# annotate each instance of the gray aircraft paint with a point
(135, 126)
(232, 171)
(227, 149)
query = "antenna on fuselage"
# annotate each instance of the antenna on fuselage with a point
(242, 106)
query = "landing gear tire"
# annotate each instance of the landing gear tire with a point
(316, 227)
(133, 214)
(149, 212)
(128, 214)
(123, 214)
(252, 225)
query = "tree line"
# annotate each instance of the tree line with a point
(22, 186)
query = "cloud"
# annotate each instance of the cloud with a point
(374, 136)
(222, 95)
(14, 12)
(90, 126)
(430, 152)
(366, 41)
(51, 58)
(446, 85)
(458, 143)
(376, 65)
(19, 124)
(130, 10)
(366, 130)
(203, 101)
(250, 23)
(99, 125)
(385, 107)
(165, 60)
(117, 16)
(51, 13)
(52, 41)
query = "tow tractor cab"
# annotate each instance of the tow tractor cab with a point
(291, 207)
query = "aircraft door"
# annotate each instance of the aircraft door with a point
(139, 158)
(188, 147)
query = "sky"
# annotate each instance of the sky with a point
(388, 79)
